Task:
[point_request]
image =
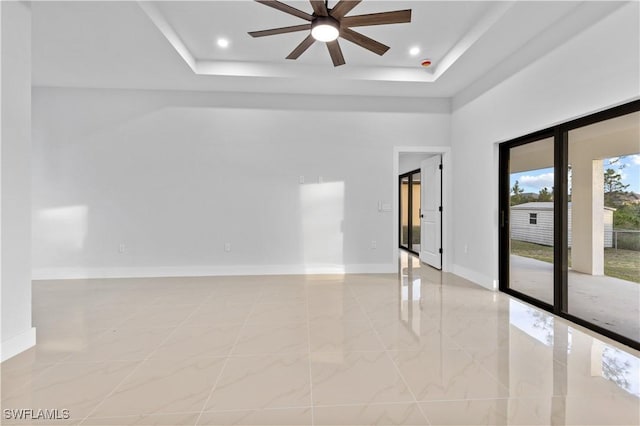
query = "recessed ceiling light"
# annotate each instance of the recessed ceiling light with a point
(414, 51)
(223, 42)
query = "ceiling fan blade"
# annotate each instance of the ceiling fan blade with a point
(282, 30)
(363, 41)
(300, 49)
(384, 18)
(343, 7)
(336, 53)
(319, 7)
(286, 9)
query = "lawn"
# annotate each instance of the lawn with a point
(623, 264)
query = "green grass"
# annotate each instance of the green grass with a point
(623, 264)
(533, 251)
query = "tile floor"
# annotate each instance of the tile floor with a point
(419, 347)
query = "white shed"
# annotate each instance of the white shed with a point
(533, 223)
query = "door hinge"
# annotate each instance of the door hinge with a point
(440, 251)
(440, 208)
(440, 166)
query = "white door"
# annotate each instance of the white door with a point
(431, 211)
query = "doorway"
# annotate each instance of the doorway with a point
(410, 190)
(408, 160)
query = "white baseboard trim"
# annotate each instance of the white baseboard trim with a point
(18, 343)
(475, 277)
(204, 271)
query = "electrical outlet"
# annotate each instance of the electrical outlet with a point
(374, 244)
(227, 246)
(301, 179)
(320, 180)
(122, 248)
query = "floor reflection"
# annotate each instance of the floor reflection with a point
(410, 293)
(551, 372)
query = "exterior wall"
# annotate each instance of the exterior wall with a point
(608, 228)
(542, 232)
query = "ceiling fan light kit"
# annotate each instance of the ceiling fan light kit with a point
(325, 28)
(327, 25)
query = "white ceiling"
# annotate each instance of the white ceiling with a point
(172, 45)
(200, 23)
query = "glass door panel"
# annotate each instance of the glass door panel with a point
(531, 219)
(603, 204)
(404, 212)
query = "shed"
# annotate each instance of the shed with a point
(533, 223)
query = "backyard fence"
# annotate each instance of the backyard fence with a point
(627, 239)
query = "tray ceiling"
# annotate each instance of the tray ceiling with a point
(173, 45)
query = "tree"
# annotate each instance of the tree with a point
(613, 182)
(517, 197)
(545, 195)
(627, 216)
(614, 189)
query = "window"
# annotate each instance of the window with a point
(533, 218)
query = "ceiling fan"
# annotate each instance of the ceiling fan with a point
(327, 25)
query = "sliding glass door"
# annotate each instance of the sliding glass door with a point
(410, 211)
(570, 221)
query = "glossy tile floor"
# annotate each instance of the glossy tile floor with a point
(419, 347)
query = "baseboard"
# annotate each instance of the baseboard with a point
(204, 271)
(475, 277)
(18, 343)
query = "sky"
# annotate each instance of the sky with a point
(535, 180)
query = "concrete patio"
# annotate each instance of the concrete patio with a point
(608, 302)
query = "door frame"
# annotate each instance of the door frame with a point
(445, 152)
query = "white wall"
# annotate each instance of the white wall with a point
(173, 176)
(15, 284)
(596, 69)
